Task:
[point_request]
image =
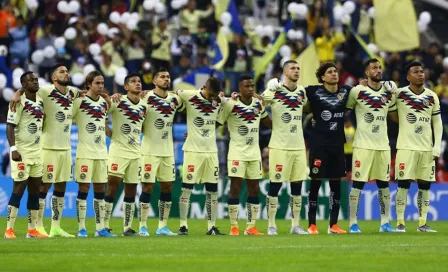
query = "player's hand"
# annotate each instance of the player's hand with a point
(390, 86)
(143, 93)
(435, 158)
(15, 99)
(274, 84)
(15, 156)
(235, 95)
(82, 93)
(116, 98)
(259, 97)
(313, 122)
(186, 134)
(363, 82)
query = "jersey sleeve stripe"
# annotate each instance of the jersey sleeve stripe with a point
(436, 113)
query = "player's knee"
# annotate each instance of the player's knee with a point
(84, 187)
(45, 187)
(82, 195)
(33, 202)
(335, 186)
(274, 188)
(99, 187)
(405, 184)
(382, 184)
(252, 190)
(130, 190)
(147, 187)
(296, 188)
(60, 186)
(211, 187)
(15, 200)
(19, 188)
(188, 186)
(166, 187)
(424, 185)
(358, 185)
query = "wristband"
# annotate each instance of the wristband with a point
(13, 148)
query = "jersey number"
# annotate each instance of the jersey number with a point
(216, 171)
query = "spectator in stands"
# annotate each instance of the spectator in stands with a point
(20, 43)
(316, 17)
(135, 52)
(190, 16)
(7, 21)
(161, 42)
(326, 44)
(183, 68)
(47, 39)
(202, 39)
(108, 69)
(114, 48)
(147, 72)
(442, 89)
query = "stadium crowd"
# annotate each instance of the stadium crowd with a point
(180, 36)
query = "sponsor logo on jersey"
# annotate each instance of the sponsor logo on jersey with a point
(84, 168)
(326, 115)
(190, 168)
(148, 167)
(357, 164)
(21, 166)
(401, 167)
(278, 168)
(317, 162)
(235, 163)
(114, 167)
(50, 168)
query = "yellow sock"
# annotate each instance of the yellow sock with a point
(354, 205)
(423, 206)
(400, 204)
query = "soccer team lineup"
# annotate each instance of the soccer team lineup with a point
(39, 124)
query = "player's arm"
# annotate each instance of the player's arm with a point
(224, 112)
(267, 122)
(393, 109)
(13, 120)
(16, 99)
(437, 127)
(108, 130)
(351, 101)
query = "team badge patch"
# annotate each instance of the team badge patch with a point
(315, 170)
(49, 175)
(82, 176)
(357, 174)
(340, 96)
(401, 173)
(147, 175)
(189, 176)
(234, 170)
(21, 175)
(278, 176)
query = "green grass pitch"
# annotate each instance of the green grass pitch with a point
(370, 251)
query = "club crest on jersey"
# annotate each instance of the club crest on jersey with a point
(340, 96)
(416, 103)
(164, 107)
(96, 112)
(375, 102)
(290, 101)
(135, 115)
(36, 111)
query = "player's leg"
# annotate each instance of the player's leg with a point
(132, 177)
(43, 191)
(362, 163)
(192, 171)
(211, 176)
(406, 163)
(150, 165)
(381, 173)
(116, 170)
(234, 203)
(144, 205)
(50, 159)
(425, 176)
(83, 174)
(237, 170)
(33, 203)
(166, 188)
(279, 171)
(63, 173)
(252, 205)
(13, 207)
(99, 180)
(299, 173)
(335, 170)
(318, 163)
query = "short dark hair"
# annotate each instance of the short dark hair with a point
(214, 84)
(128, 77)
(245, 77)
(289, 62)
(158, 71)
(54, 68)
(91, 76)
(369, 61)
(322, 69)
(413, 64)
(24, 75)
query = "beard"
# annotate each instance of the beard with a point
(63, 82)
(164, 88)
